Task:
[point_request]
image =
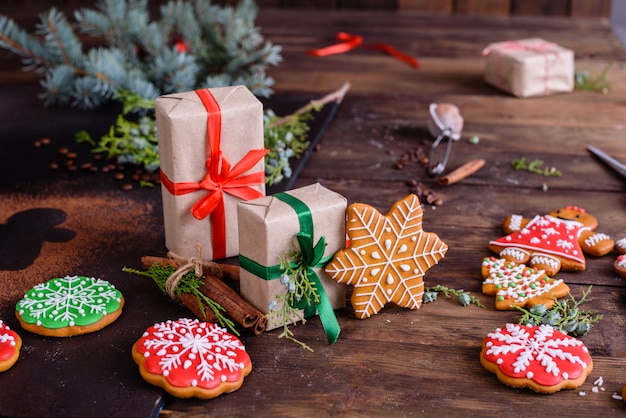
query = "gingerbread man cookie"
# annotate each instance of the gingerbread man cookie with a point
(551, 242)
(10, 345)
(517, 285)
(387, 256)
(537, 357)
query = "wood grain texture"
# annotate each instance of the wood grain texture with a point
(403, 362)
(399, 362)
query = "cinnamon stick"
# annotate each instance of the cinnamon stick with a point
(240, 310)
(229, 271)
(192, 303)
(462, 172)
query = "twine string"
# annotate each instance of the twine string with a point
(194, 264)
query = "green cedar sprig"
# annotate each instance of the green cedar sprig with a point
(535, 166)
(190, 283)
(299, 288)
(284, 140)
(583, 80)
(133, 138)
(465, 298)
(565, 315)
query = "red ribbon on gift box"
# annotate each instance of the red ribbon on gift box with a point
(349, 41)
(220, 178)
(543, 47)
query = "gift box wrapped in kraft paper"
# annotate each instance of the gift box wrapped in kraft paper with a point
(308, 221)
(212, 156)
(529, 67)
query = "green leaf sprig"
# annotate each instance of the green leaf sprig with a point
(465, 298)
(535, 166)
(300, 291)
(133, 138)
(565, 315)
(583, 80)
(285, 138)
(190, 283)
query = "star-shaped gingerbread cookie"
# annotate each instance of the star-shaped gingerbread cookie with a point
(387, 256)
(518, 285)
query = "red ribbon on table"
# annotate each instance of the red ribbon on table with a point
(220, 178)
(349, 42)
(543, 47)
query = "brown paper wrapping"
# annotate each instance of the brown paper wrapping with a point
(267, 229)
(529, 67)
(182, 128)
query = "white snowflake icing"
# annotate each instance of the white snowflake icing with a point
(5, 335)
(388, 257)
(190, 343)
(565, 244)
(66, 299)
(537, 348)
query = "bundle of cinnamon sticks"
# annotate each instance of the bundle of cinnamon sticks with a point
(237, 308)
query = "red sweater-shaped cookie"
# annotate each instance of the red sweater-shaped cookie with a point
(551, 242)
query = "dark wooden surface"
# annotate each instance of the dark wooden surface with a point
(399, 362)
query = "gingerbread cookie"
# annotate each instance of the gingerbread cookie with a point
(620, 262)
(536, 357)
(620, 246)
(68, 306)
(191, 358)
(619, 266)
(518, 285)
(558, 240)
(387, 256)
(10, 345)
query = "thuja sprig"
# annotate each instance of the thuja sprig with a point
(286, 136)
(565, 315)
(190, 283)
(300, 292)
(133, 138)
(535, 166)
(284, 141)
(465, 298)
(583, 80)
(292, 266)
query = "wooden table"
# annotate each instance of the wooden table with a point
(399, 362)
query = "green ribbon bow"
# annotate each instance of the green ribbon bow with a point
(312, 257)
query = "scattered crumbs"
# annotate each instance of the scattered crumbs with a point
(595, 389)
(599, 381)
(582, 393)
(617, 397)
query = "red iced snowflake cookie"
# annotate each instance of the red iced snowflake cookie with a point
(555, 241)
(190, 358)
(537, 357)
(518, 285)
(10, 344)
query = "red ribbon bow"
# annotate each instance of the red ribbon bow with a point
(349, 42)
(220, 178)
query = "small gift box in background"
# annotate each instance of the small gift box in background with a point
(529, 67)
(309, 221)
(211, 153)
